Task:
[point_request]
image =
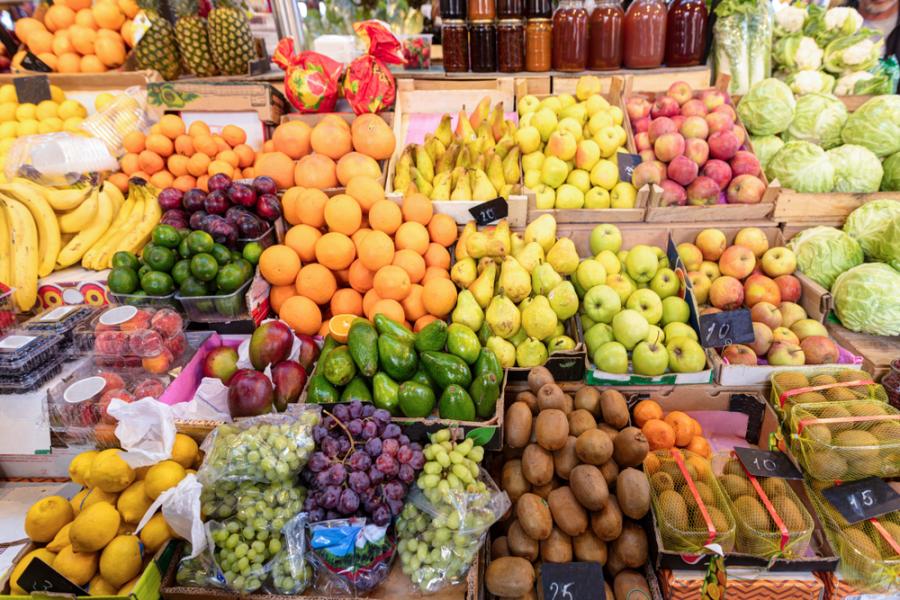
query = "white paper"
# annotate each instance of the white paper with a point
(8, 555)
(181, 510)
(146, 430)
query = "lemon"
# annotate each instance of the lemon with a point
(81, 466)
(126, 589)
(46, 517)
(56, 93)
(73, 124)
(77, 567)
(102, 100)
(156, 533)
(50, 125)
(110, 472)
(8, 130)
(46, 109)
(94, 527)
(133, 502)
(8, 111)
(89, 496)
(71, 108)
(41, 553)
(121, 560)
(8, 93)
(61, 540)
(27, 127)
(184, 451)
(162, 476)
(25, 111)
(100, 587)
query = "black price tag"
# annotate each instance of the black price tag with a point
(8, 41)
(763, 463)
(726, 328)
(39, 577)
(490, 211)
(572, 581)
(34, 89)
(863, 500)
(627, 163)
(32, 63)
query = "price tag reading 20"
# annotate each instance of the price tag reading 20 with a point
(572, 581)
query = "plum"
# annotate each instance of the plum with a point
(219, 181)
(196, 220)
(242, 195)
(174, 217)
(268, 207)
(170, 198)
(251, 227)
(223, 232)
(208, 221)
(233, 214)
(265, 185)
(193, 200)
(216, 203)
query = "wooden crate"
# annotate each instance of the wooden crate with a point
(641, 80)
(834, 207)
(877, 350)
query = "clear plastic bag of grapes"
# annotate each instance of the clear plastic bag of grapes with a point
(198, 571)
(291, 572)
(267, 448)
(442, 528)
(351, 556)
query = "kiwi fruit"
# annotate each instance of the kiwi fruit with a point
(752, 512)
(860, 542)
(791, 515)
(551, 396)
(609, 430)
(629, 585)
(633, 493)
(826, 464)
(537, 465)
(509, 577)
(518, 425)
(818, 433)
(839, 394)
(866, 409)
(789, 380)
(614, 564)
(862, 444)
(614, 408)
(718, 518)
(735, 486)
(774, 487)
(733, 467)
(606, 523)
(863, 467)
(808, 398)
(610, 472)
(512, 481)
(565, 459)
(704, 491)
(580, 420)
(893, 530)
(528, 398)
(544, 490)
(631, 546)
(533, 514)
(499, 547)
(589, 487)
(588, 398)
(551, 429)
(557, 548)
(661, 481)
(852, 375)
(594, 447)
(674, 510)
(834, 411)
(568, 513)
(823, 379)
(887, 431)
(538, 377)
(630, 447)
(589, 548)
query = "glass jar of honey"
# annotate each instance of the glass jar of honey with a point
(570, 36)
(538, 45)
(645, 34)
(482, 10)
(605, 28)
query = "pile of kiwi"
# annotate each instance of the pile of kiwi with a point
(792, 380)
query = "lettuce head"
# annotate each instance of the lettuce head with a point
(823, 253)
(876, 226)
(890, 182)
(819, 119)
(802, 167)
(875, 125)
(856, 169)
(768, 108)
(866, 299)
(765, 147)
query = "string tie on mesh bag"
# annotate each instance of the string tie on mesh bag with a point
(767, 503)
(710, 526)
(782, 398)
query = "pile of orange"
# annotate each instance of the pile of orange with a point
(173, 155)
(361, 254)
(327, 155)
(673, 430)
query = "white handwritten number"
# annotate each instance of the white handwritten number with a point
(767, 463)
(561, 591)
(867, 500)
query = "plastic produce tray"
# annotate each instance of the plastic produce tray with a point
(217, 309)
(24, 351)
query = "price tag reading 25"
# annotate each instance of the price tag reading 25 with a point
(572, 581)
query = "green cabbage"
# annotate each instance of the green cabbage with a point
(802, 167)
(875, 225)
(866, 299)
(765, 147)
(768, 107)
(818, 118)
(856, 169)
(823, 253)
(891, 180)
(875, 125)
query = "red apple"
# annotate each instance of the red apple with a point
(739, 354)
(680, 91)
(697, 150)
(723, 145)
(693, 108)
(659, 127)
(710, 310)
(753, 238)
(759, 288)
(637, 107)
(745, 163)
(745, 189)
(762, 338)
(728, 110)
(682, 170)
(665, 106)
(672, 194)
(717, 122)
(641, 125)
(642, 141)
(726, 293)
(820, 350)
(767, 314)
(789, 286)
(703, 190)
(648, 172)
(741, 135)
(785, 354)
(737, 262)
(783, 334)
(668, 146)
(718, 171)
(713, 99)
(647, 155)
(694, 127)
(712, 244)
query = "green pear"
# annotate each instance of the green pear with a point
(463, 272)
(563, 300)
(559, 330)
(544, 278)
(530, 256)
(424, 163)
(462, 191)
(447, 160)
(444, 132)
(516, 243)
(560, 343)
(402, 177)
(441, 186)
(503, 317)
(518, 337)
(505, 352)
(538, 318)
(503, 238)
(467, 311)
(504, 145)
(514, 280)
(435, 149)
(511, 170)
(495, 172)
(563, 256)
(482, 189)
(543, 231)
(483, 287)
(423, 185)
(531, 353)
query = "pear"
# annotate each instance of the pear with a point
(543, 231)
(444, 132)
(467, 311)
(462, 191)
(498, 124)
(484, 262)
(435, 149)
(531, 353)
(505, 144)
(563, 256)
(503, 317)
(481, 113)
(448, 159)
(464, 158)
(502, 234)
(402, 177)
(456, 174)
(505, 191)
(504, 351)
(479, 160)
(464, 130)
(530, 256)
(559, 330)
(429, 147)
(441, 189)
(514, 280)
(544, 278)
(483, 287)
(538, 318)
(463, 272)
(424, 163)
(563, 300)
(495, 172)
(511, 127)
(482, 190)
(511, 170)
(485, 137)
(460, 251)
(422, 185)
(560, 343)
(478, 245)
(518, 337)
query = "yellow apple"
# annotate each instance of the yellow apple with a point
(544, 197)
(616, 113)
(569, 196)
(529, 139)
(532, 178)
(610, 261)
(533, 161)
(597, 197)
(608, 140)
(599, 120)
(623, 195)
(580, 179)
(572, 126)
(605, 174)
(595, 104)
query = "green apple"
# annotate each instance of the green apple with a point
(622, 255)
(608, 140)
(568, 196)
(601, 303)
(605, 237)
(532, 178)
(546, 122)
(575, 111)
(650, 359)
(587, 155)
(596, 197)
(646, 302)
(685, 355)
(566, 100)
(641, 263)
(533, 161)
(675, 310)
(544, 197)
(622, 285)
(598, 335)
(599, 120)
(586, 321)
(554, 172)
(630, 327)
(623, 195)
(560, 343)
(572, 126)
(609, 261)
(665, 283)
(595, 104)
(525, 121)
(580, 179)
(611, 357)
(590, 272)
(529, 139)
(553, 103)
(528, 104)
(655, 335)
(674, 330)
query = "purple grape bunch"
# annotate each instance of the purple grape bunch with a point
(363, 465)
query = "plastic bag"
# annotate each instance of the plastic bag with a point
(311, 80)
(368, 83)
(291, 573)
(181, 510)
(146, 430)
(199, 570)
(351, 556)
(57, 158)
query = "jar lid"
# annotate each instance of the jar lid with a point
(482, 22)
(456, 22)
(538, 20)
(511, 22)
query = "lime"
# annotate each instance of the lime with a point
(147, 248)
(143, 271)
(181, 271)
(193, 287)
(200, 241)
(230, 278)
(221, 254)
(235, 255)
(122, 280)
(160, 258)
(183, 233)
(183, 249)
(166, 235)
(252, 252)
(204, 267)
(123, 258)
(157, 283)
(246, 268)
(137, 298)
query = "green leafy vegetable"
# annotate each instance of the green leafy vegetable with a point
(765, 147)
(802, 167)
(890, 182)
(823, 253)
(876, 226)
(866, 299)
(768, 107)
(875, 125)
(856, 169)
(818, 118)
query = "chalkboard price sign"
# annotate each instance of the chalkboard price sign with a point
(861, 500)
(572, 581)
(490, 211)
(39, 577)
(763, 463)
(627, 163)
(726, 328)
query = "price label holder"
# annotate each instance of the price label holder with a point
(39, 577)
(627, 163)
(490, 211)
(862, 500)
(8, 41)
(34, 89)
(763, 463)
(572, 581)
(726, 328)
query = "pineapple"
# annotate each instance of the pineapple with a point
(230, 38)
(157, 48)
(193, 41)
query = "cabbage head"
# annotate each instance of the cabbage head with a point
(765, 147)
(891, 180)
(876, 226)
(856, 169)
(823, 253)
(768, 107)
(875, 125)
(802, 167)
(818, 118)
(866, 299)
(850, 53)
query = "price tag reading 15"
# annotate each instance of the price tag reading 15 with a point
(861, 500)
(572, 581)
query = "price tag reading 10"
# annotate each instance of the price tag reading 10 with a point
(762, 463)
(572, 581)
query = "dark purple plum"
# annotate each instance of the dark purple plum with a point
(251, 227)
(268, 207)
(174, 217)
(265, 185)
(242, 194)
(216, 202)
(233, 214)
(196, 221)
(219, 181)
(193, 200)
(208, 222)
(223, 232)
(170, 198)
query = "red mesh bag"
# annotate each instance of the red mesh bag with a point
(368, 83)
(311, 80)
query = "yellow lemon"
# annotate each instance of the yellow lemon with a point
(102, 100)
(46, 517)
(77, 567)
(56, 93)
(156, 533)
(81, 466)
(94, 527)
(121, 560)
(126, 589)
(46, 109)
(5, 145)
(73, 124)
(71, 108)
(110, 472)
(8, 93)
(41, 553)
(9, 130)
(184, 451)
(8, 111)
(25, 111)
(61, 540)
(134, 502)
(101, 587)
(163, 476)
(27, 127)
(89, 496)
(50, 125)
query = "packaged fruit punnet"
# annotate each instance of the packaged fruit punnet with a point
(869, 550)
(62, 320)
(216, 308)
(29, 359)
(691, 509)
(771, 520)
(846, 441)
(351, 556)
(790, 388)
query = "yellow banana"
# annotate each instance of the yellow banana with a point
(114, 193)
(83, 216)
(81, 243)
(23, 252)
(5, 259)
(98, 256)
(49, 242)
(138, 235)
(61, 200)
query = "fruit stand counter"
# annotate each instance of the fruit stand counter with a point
(877, 350)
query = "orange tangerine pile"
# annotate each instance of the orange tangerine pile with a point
(358, 253)
(173, 155)
(675, 429)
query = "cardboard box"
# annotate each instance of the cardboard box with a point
(728, 374)
(74, 285)
(219, 97)
(85, 87)
(744, 584)
(838, 589)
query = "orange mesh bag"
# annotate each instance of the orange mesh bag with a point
(790, 388)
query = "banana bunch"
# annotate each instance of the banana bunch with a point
(479, 160)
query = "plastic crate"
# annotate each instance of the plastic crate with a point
(217, 309)
(31, 380)
(61, 320)
(144, 300)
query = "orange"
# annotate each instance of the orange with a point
(324, 329)
(276, 165)
(389, 308)
(248, 173)
(346, 301)
(353, 164)
(373, 137)
(160, 144)
(230, 157)
(330, 140)
(335, 251)
(392, 282)
(310, 207)
(360, 278)
(198, 164)
(435, 273)
(682, 425)
(659, 434)
(292, 138)
(385, 216)
(110, 52)
(414, 236)
(439, 296)
(376, 250)
(289, 204)
(279, 265)
(342, 276)
(422, 321)
(177, 165)
(234, 135)
(130, 163)
(268, 146)
(646, 410)
(413, 307)
(68, 63)
(203, 182)
(120, 180)
(150, 162)
(83, 17)
(184, 144)
(205, 144)
(411, 262)
(302, 239)
(316, 283)
(365, 190)
(220, 166)
(245, 154)
(278, 294)
(301, 314)
(171, 126)
(162, 179)
(358, 237)
(316, 171)
(342, 214)
(369, 301)
(198, 128)
(339, 326)
(437, 256)
(58, 17)
(698, 429)
(184, 183)
(442, 229)
(418, 208)
(92, 64)
(336, 120)
(108, 15)
(699, 445)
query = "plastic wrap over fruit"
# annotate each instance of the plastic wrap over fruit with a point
(311, 80)
(368, 83)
